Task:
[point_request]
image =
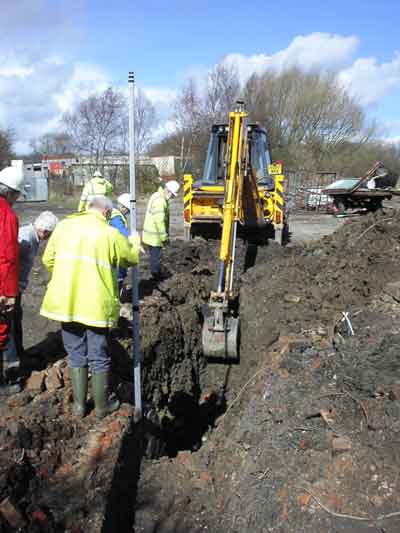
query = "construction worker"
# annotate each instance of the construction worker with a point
(118, 218)
(11, 180)
(97, 186)
(156, 224)
(81, 257)
(29, 239)
(119, 221)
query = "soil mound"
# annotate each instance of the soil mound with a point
(312, 418)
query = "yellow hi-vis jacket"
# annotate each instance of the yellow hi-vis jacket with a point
(82, 257)
(156, 221)
(94, 187)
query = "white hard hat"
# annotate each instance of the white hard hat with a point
(125, 200)
(173, 187)
(98, 174)
(12, 177)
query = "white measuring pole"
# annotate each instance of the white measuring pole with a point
(135, 269)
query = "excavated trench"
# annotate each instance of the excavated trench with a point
(63, 474)
(49, 457)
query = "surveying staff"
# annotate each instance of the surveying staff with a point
(156, 224)
(119, 221)
(81, 257)
(97, 186)
(11, 179)
(29, 239)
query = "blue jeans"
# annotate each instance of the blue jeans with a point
(86, 346)
(155, 260)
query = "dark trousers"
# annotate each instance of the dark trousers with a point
(14, 350)
(155, 260)
(8, 353)
(18, 331)
(86, 346)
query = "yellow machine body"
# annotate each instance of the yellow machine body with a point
(204, 202)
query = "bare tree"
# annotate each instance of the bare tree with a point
(312, 121)
(309, 116)
(145, 121)
(223, 89)
(97, 125)
(6, 147)
(52, 144)
(197, 108)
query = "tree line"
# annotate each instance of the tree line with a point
(312, 121)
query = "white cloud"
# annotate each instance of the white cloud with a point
(365, 78)
(163, 129)
(85, 79)
(392, 140)
(369, 81)
(160, 95)
(317, 50)
(15, 72)
(33, 101)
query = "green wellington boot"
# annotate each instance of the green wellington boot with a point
(79, 379)
(102, 404)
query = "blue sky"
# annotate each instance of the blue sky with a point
(165, 38)
(54, 52)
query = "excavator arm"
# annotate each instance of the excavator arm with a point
(220, 334)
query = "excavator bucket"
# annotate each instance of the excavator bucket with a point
(221, 343)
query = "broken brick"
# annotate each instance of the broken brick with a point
(36, 382)
(11, 514)
(39, 516)
(204, 481)
(303, 499)
(316, 363)
(185, 458)
(115, 427)
(65, 373)
(283, 372)
(54, 379)
(394, 393)
(341, 444)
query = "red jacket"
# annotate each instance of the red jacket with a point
(9, 256)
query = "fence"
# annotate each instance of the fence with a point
(71, 182)
(304, 190)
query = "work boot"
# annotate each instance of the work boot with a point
(6, 388)
(103, 405)
(79, 379)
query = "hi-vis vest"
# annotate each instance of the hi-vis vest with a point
(117, 213)
(94, 187)
(82, 256)
(156, 221)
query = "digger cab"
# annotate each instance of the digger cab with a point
(215, 164)
(204, 198)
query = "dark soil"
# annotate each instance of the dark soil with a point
(302, 385)
(310, 413)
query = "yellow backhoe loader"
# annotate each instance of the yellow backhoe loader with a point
(241, 190)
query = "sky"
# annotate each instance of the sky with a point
(55, 52)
